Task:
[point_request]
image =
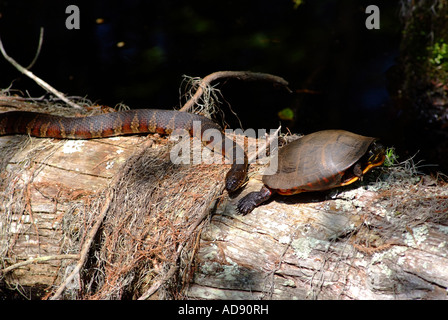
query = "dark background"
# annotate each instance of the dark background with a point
(336, 67)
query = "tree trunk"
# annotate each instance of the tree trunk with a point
(379, 239)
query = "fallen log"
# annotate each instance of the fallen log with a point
(169, 231)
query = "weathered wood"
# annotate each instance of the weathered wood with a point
(44, 186)
(306, 247)
(373, 240)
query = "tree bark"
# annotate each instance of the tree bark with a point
(385, 239)
(354, 245)
(45, 186)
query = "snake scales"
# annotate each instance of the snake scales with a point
(123, 123)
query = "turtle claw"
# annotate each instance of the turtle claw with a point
(253, 199)
(248, 203)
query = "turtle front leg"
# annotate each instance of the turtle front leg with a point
(357, 171)
(254, 199)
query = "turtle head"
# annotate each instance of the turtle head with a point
(376, 154)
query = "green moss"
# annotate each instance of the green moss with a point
(391, 157)
(438, 54)
(286, 114)
(425, 50)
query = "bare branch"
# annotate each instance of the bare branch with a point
(39, 259)
(36, 79)
(241, 75)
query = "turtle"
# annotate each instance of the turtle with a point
(316, 162)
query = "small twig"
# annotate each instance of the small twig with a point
(39, 81)
(85, 248)
(242, 75)
(39, 259)
(39, 47)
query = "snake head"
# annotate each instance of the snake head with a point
(232, 184)
(235, 178)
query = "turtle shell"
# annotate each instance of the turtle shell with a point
(317, 161)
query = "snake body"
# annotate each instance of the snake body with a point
(124, 123)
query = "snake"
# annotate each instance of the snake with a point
(130, 122)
